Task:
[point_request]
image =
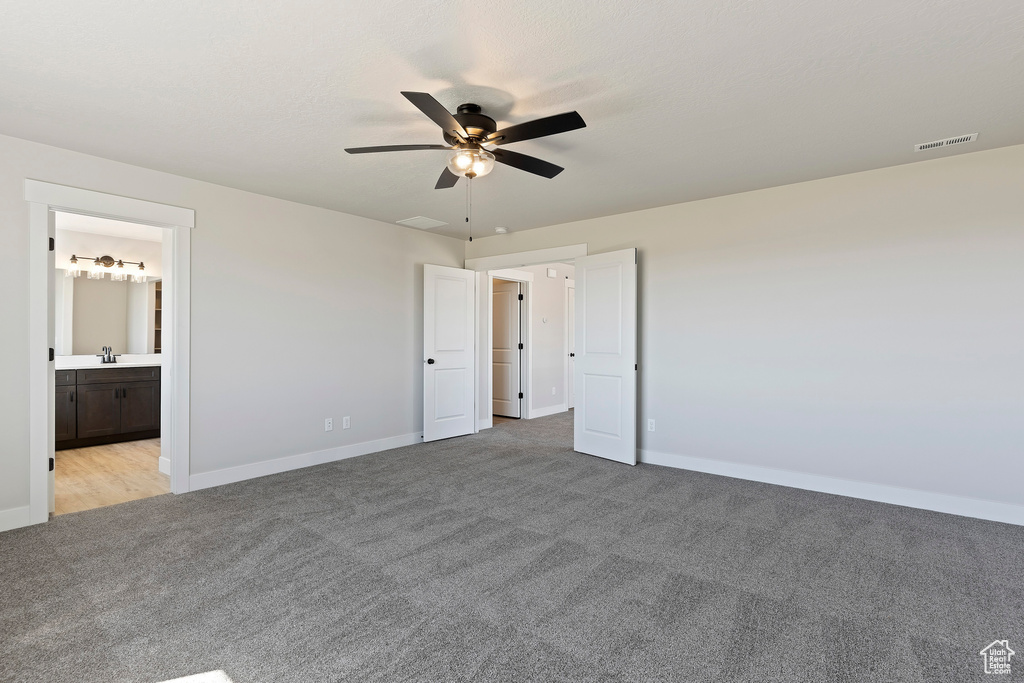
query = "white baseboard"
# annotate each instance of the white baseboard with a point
(14, 518)
(230, 475)
(550, 410)
(165, 465)
(896, 495)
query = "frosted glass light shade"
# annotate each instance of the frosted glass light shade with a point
(478, 162)
(97, 270)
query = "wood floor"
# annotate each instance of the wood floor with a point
(87, 478)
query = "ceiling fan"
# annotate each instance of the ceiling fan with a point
(468, 132)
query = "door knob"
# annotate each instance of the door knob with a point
(430, 361)
(572, 355)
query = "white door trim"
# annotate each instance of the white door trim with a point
(525, 279)
(504, 265)
(566, 371)
(515, 349)
(44, 198)
(527, 258)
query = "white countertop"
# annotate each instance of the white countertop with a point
(128, 360)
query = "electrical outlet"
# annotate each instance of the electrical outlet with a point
(329, 424)
(552, 391)
(650, 425)
(346, 422)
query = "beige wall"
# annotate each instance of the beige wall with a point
(866, 327)
(547, 322)
(298, 314)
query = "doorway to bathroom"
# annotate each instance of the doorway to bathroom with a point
(108, 326)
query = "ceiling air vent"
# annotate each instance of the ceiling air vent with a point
(959, 140)
(421, 222)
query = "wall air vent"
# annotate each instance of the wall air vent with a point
(421, 222)
(959, 140)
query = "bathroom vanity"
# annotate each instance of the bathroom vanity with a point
(105, 403)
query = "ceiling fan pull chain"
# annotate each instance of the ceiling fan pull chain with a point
(469, 206)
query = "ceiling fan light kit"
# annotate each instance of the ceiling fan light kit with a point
(468, 134)
(471, 163)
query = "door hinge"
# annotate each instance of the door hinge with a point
(520, 394)
(520, 346)
(51, 355)
(51, 464)
(520, 297)
(51, 244)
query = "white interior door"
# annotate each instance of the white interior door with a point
(506, 354)
(605, 373)
(448, 320)
(570, 342)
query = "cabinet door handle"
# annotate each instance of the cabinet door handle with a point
(115, 392)
(124, 392)
(71, 396)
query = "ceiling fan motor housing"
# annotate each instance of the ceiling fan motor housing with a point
(478, 125)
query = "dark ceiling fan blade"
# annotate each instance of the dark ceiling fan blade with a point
(392, 148)
(447, 179)
(525, 162)
(538, 128)
(436, 112)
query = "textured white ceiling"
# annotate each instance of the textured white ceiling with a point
(683, 100)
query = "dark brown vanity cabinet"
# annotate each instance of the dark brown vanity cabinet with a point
(140, 407)
(107, 405)
(99, 410)
(64, 409)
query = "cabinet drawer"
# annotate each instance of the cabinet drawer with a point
(64, 378)
(109, 374)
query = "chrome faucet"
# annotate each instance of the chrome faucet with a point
(108, 355)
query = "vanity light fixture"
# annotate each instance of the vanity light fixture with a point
(102, 264)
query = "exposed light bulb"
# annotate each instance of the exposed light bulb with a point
(463, 161)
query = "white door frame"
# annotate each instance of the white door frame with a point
(45, 198)
(506, 263)
(525, 281)
(566, 371)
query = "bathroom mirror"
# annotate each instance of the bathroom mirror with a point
(91, 314)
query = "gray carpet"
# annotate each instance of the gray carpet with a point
(507, 557)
